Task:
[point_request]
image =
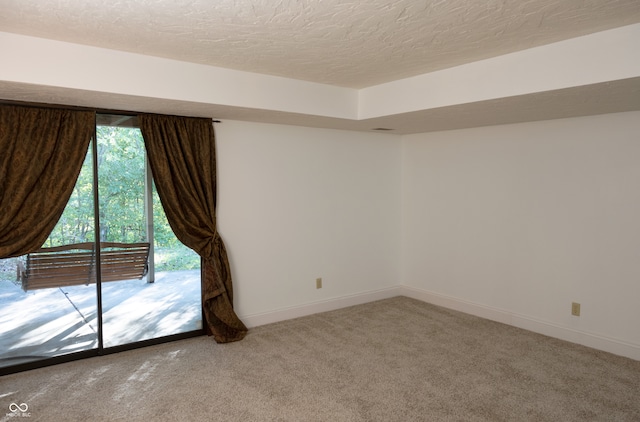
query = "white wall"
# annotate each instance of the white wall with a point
(296, 204)
(516, 222)
(511, 222)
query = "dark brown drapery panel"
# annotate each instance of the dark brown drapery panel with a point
(41, 154)
(182, 156)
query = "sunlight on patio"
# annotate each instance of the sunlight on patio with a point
(55, 321)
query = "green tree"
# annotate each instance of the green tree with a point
(121, 168)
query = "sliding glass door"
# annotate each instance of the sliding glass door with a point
(144, 302)
(111, 274)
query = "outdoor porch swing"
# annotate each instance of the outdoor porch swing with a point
(75, 264)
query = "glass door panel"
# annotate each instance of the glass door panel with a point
(150, 280)
(48, 302)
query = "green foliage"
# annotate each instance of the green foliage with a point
(121, 166)
(163, 235)
(176, 258)
(121, 192)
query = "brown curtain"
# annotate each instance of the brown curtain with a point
(41, 154)
(182, 156)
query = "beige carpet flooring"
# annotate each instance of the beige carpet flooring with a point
(393, 360)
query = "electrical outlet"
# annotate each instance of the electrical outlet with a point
(318, 283)
(575, 309)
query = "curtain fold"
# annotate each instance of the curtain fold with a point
(41, 154)
(181, 153)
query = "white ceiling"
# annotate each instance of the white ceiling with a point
(347, 43)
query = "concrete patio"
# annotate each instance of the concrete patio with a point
(52, 322)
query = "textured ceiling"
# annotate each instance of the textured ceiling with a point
(346, 43)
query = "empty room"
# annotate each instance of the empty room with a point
(297, 210)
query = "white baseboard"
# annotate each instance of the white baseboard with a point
(317, 307)
(595, 341)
